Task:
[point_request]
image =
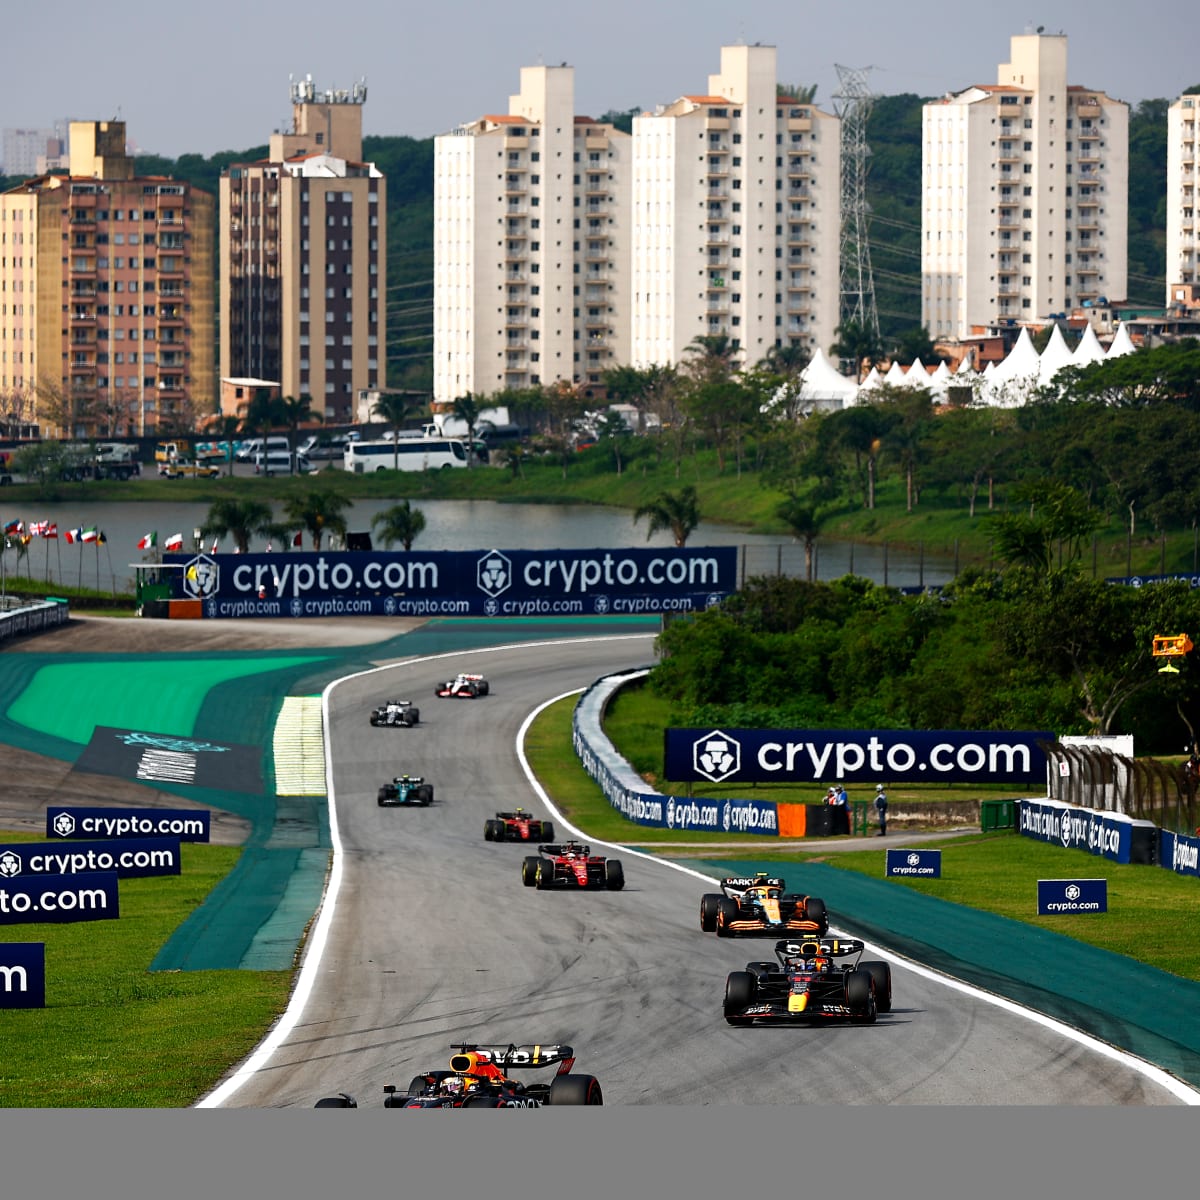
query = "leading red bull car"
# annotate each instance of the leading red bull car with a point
(481, 1077)
(759, 905)
(572, 865)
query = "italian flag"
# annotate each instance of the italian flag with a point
(148, 542)
(174, 542)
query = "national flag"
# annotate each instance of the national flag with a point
(89, 535)
(51, 530)
(298, 540)
(174, 542)
(101, 540)
(268, 547)
(216, 543)
(37, 528)
(13, 527)
(74, 535)
(149, 541)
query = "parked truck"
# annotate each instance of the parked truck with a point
(115, 460)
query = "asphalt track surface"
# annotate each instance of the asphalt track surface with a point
(430, 939)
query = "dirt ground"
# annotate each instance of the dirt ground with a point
(31, 782)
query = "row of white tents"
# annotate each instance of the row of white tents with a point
(1006, 384)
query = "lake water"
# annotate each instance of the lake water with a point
(449, 525)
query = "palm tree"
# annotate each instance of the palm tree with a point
(227, 431)
(467, 409)
(802, 523)
(294, 413)
(858, 344)
(401, 523)
(395, 408)
(713, 356)
(677, 511)
(265, 412)
(319, 511)
(238, 519)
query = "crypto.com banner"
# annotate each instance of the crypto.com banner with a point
(821, 756)
(456, 583)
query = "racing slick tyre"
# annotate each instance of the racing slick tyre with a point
(576, 1089)
(614, 875)
(815, 911)
(759, 969)
(489, 831)
(340, 1101)
(544, 877)
(740, 988)
(529, 870)
(383, 795)
(860, 996)
(727, 911)
(374, 719)
(425, 794)
(416, 1086)
(547, 834)
(708, 911)
(881, 973)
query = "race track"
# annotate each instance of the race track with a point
(434, 940)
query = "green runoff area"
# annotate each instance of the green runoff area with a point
(152, 1009)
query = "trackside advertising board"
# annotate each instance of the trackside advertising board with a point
(457, 583)
(1179, 853)
(22, 974)
(35, 899)
(71, 822)
(1068, 897)
(1109, 835)
(914, 864)
(820, 756)
(129, 859)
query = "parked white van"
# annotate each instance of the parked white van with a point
(277, 459)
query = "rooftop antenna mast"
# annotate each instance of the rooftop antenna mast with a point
(852, 103)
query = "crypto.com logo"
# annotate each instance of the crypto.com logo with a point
(716, 756)
(200, 577)
(1074, 891)
(64, 825)
(493, 573)
(10, 865)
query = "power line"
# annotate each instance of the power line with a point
(852, 104)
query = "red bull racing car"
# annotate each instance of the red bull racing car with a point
(406, 789)
(759, 905)
(572, 865)
(480, 1077)
(517, 826)
(463, 686)
(815, 979)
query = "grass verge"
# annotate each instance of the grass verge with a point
(114, 1034)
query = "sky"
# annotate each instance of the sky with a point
(202, 78)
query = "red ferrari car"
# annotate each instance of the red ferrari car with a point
(572, 865)
(517, 826)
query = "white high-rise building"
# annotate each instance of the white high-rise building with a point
(531, 245)
(736, 211)
(1024, 196)
(563, 247)
(1183, 235)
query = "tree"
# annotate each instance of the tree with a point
(1057, 524)
(677, 511)
(858, 345)
(320, 512)
(914, 343)
(801, 520)
(75, 412)
(295, 411)
(711, 357)
(239, 520)
(467, 409)
(265, 412)
(227, 430)
(395, 408)
(401, 523)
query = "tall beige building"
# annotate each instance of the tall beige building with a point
(1024, 195)
(106, 296)
(736, 217)
(531, 245)
(1183, 233)
(303, 259)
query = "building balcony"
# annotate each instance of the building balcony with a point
(716, 308)
(595, 295)
(717, 193)
(515, 254)
(799, 125)
(596, 187)
(513, 142)
(515, 233)
(717, 262)
(1008, 156)
(170, 289)
(797, 284)
(170, 264)
(516, 299)
(716, 238)
(716, 216)
(595, 275)
(515, 187)
(717, 171)
(82, 218)
(515, 277)
(1087, 200)
(799, 170)
(1087, 135)
(1086, 269)
(1087, 224)
(1087, 110)
(1007, 291)
(598, 142)
(717, 147)
(799, 240)
(81, 365)
(717, 283)
(82, 316)
(1088, 158)
(716, 123)
(516, 321)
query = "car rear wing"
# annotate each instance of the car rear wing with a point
(512, 1055)
(829, 947)
(740, 883)
(556, 850)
